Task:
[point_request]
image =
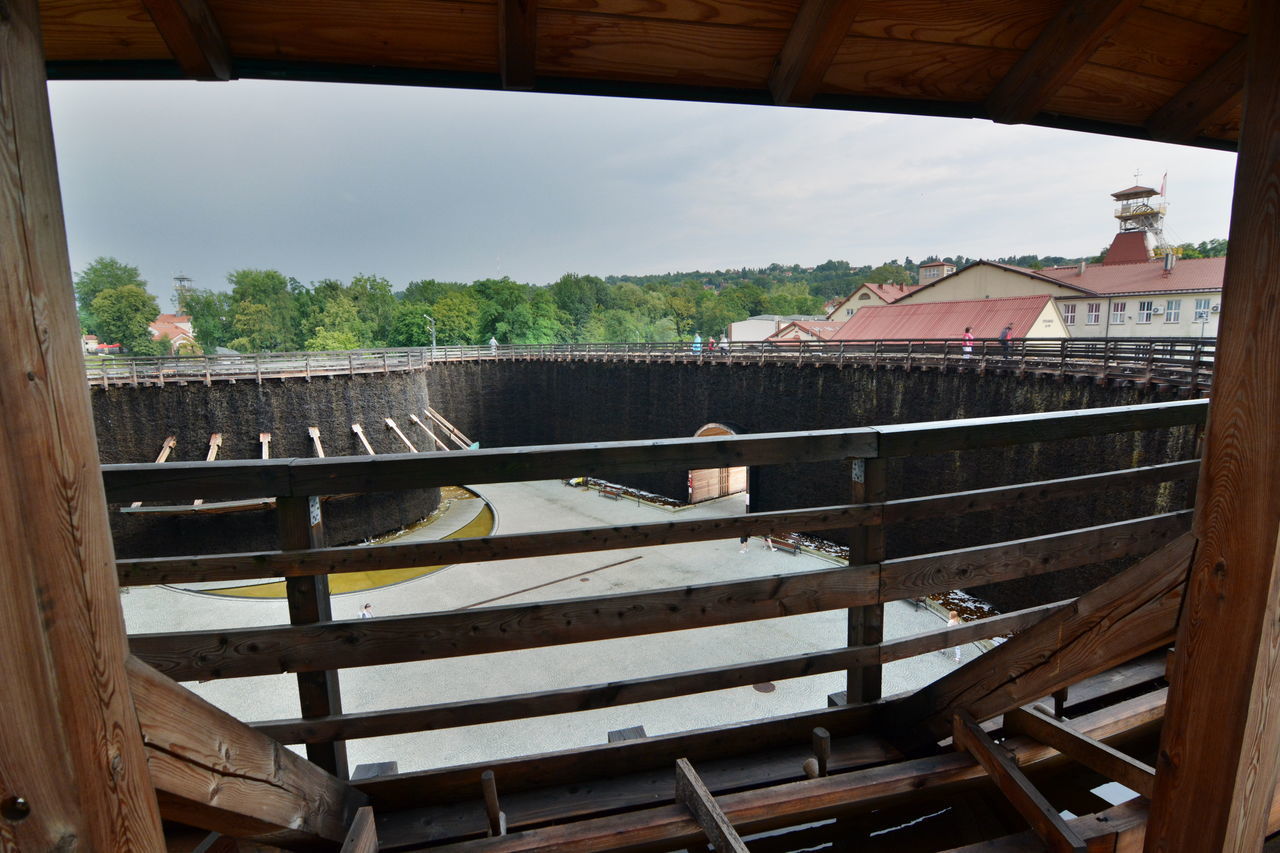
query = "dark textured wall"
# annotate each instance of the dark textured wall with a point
(514, 403)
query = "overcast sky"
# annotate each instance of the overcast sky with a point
(328, 181)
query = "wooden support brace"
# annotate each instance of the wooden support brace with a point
(429, 432)
(391, 425)
(363, 835)
(314, 432)
(454, 433)
(815, 36)
(497, 817)
(359, 431)
(215, 442)
(1099, 757)
(694, 796)
(165, 450)
(193, 37)
(264, 438)
(1011, 781)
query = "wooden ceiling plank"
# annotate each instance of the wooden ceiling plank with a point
(815, 36)
(193, 36)
(517, 42)
(1064, 45)
(1183, 117)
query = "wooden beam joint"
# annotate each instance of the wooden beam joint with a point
(193, 37)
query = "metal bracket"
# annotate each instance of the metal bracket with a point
(859, 469)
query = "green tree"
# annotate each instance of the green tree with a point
(212, 316)
(340, 327)
(791, 299)
(123, 316)
(273, 324)
(458, 318)
(101, 275)
(428, 290)
(577, 296)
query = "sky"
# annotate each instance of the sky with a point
(331, 181)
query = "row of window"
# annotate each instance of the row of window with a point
(1146, 310)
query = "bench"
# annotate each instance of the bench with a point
(611, 494)
(783, 545)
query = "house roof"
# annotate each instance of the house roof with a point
(891, 292)
(1128, 247)
(935, 320)
(937, 264)
(823, 329)
(994, 59)
(171, 326)
(1136, 190)
(1147, 277)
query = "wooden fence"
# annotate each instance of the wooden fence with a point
(1181, 362)
(315, 645)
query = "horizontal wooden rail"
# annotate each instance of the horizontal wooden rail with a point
(365, 642)
(265, 564)
(305, 477)
(570, 699)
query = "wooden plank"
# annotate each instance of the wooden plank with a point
(363, 835)
(453, 430)
(1183, 117)
(1099, 757)
(1015, 786)
(428, 431)
(165, 449)
(71, 758)
(193, 37)
(319, 695)
(1119, 829)
(215, 443)
(1130, 614)
(214, 772)
(264, 439)
(391, 425)
(628, 691)
(261, 564)
(359, 431)
(1223, 733)
(314, 433)
(517, 43)
(913, 577)
(1063, 46)
(694, 796)
(816, 34)
(365, 642)
(866, 546)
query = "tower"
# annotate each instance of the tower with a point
(1141, 235)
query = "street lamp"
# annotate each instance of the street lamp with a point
(432, 321)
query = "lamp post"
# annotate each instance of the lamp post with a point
(432, 321)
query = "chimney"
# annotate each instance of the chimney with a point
(1168, 264)
(1080, 272)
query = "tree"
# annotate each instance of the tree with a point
(123, 316)
(458, 318)
(375, 306)
(102, 275)
(273, 324)
(791, 299)
(340, 327)
(212, 316)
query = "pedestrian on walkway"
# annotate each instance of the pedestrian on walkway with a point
(953, 620)
(1006, 337)
(966, 342)
(366, 611)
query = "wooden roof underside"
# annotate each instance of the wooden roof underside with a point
(1160, 69)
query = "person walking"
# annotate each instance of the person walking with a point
(1006, 337)
(953, 620)
(366, 611)
(493, 346)
(966, 342)
(697, 343)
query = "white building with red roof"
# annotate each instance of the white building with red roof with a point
(177, 328)
(806, 330)
(1030, 317)
(869, 294)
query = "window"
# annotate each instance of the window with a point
(1069, 314)
(1144, 310)
(1172, 310)
(1093, 313)
(864, 296)
(1202, 310)
(848, 312)
(1117, 312)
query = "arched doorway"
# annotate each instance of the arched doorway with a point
(707, 484)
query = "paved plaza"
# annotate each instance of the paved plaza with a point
(527, 507)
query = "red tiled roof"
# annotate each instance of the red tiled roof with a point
(1149, 277)
(1128, 247)
(934, 320)
(822, 329)
(891, 292)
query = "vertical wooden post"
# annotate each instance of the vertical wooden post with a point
(866, 545)
(1217, 765)
(301, 526)
(73, 773)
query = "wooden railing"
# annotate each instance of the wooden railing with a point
(315, 645)
(1183, 362)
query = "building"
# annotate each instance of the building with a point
(869, 294)
(806, 330)
(1031, 316)
(177, 328)
(935, 270)
(761, 326)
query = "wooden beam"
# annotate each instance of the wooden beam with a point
(1099, 757)
(193, 37)
(1130, 614)
(391, 425)
(214, 772)
(363, 835)
(438, 443)
(865, 624)
(72, 768)
(819, 28)
(165, 449)
(517, 43)
(359, 431)
(1015, 786)
(1183, 116)
(264, 439)
(314, 433)
(1063, 46)
(694, 796)
(1223, 733)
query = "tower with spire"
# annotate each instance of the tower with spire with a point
(1141, 234)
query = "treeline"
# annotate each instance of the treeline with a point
(266, 311)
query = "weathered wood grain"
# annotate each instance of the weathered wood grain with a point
(363, 835)
(1111, 763)
(815, 35)
(1130, 614)
(190, 30)
(517, 42)
(866, 546)
(1223, 732)
(1015, 786)
(216, 773)
(1187, 112)
(365, 642)
(69, 743)
(1063, 46)
(694, 796)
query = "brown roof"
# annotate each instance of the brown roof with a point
(823, 329)
(936, 320)
(1148, 277)
(891, 292)
(166, 326)
(1016, 61)
(1136, 190)
(1128, 247)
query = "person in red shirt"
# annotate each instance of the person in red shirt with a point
(967, 341)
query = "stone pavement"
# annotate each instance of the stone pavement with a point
(524, 507)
